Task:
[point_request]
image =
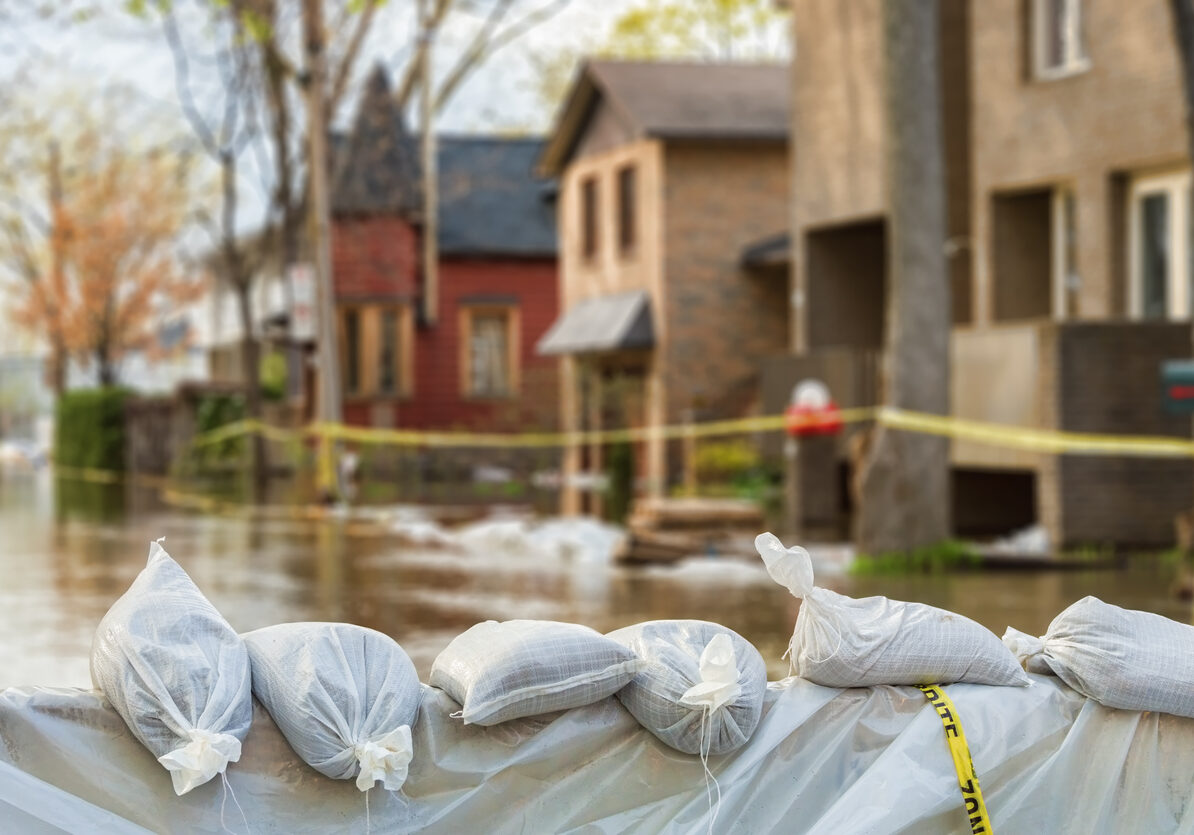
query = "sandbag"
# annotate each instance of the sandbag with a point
(1119, 657)
(176, 672)
(702, 688)
(502, 671)
(345, 697)
(840, 641)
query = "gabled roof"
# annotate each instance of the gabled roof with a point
(376, 164)
(491, 201)
(674, 100)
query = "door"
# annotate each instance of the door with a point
(1159, 251)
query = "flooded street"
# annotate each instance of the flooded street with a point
(64, 559)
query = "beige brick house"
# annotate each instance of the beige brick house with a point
(1068, 188)
(673, 177)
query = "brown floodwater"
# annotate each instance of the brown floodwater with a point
(68, 550)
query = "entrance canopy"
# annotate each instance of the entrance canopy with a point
(607, 323)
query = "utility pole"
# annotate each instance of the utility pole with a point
(57, 267)
(430, 167)
(329, 410)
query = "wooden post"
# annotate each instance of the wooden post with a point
(329, 368)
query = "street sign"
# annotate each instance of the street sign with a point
(1177, 386)
(302, 314)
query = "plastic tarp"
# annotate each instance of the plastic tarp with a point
(821, 760)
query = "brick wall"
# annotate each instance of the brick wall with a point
(721, 320)
(1105, 378)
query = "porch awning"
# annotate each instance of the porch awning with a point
(607, 323)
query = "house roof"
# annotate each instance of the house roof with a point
(376, 165)
(675, 100)
(491, 201)
(617, 322)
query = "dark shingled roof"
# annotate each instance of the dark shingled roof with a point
(491, 202)
(676, 100)
(376, 164)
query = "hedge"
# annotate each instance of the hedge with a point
(89, 428)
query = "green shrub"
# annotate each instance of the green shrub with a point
(212, 412)
(273, 375)
(949, 555)
(89, 428)
(619, 469)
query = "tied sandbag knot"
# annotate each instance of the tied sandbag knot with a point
(719, 677)
(1027, 648)
(206, 755)
(386, 759)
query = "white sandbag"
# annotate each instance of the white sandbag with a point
(1119, 657)
(176, 672)
(843, 642)
(501, 671)
(702, 687)
(345, 697)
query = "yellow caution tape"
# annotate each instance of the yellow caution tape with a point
(972, 795)
(1048, 441)
(1036, 440)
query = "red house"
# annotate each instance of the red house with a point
(474, 365)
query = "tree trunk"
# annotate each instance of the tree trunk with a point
(251, 371)
(904, 483)
(1182, 12)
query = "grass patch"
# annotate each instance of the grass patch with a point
(950, 555)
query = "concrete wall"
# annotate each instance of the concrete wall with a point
(1122, 114)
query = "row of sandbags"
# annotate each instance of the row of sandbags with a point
(346, 697)
(1121, 658)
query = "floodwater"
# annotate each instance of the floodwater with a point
(64, 558)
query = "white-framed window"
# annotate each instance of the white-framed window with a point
(1064, 270)
(1159, 247)
(1058, 47)
(489, 351)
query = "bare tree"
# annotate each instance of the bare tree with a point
(225, 125)
(904, 483)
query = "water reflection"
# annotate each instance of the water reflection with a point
(66, 554)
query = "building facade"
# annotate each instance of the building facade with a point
(669, 173)
(1068, 193)
(471, 364)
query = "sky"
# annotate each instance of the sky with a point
(116, 48)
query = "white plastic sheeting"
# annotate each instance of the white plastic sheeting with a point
(820, 761)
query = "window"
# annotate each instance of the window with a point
(1159, 252)
(1057, 44)
(351, 349)
(627, 221)
(376, 349)
(489, 351)
(392, 351)
(588, 212)
(1066, 281)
